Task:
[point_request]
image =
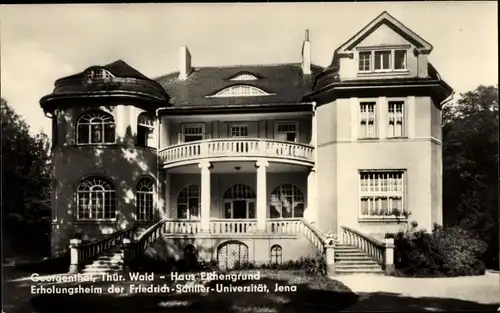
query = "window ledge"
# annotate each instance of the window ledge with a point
(99, 222)
(377, 219)
(385, 73)
(368, 139)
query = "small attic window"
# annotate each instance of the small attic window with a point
(245, 76)
(241, 91)
(99, 74)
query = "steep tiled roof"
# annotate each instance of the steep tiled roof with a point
(285, 82)
(118, 68)
(127, 83)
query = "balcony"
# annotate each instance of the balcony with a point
(231, 149)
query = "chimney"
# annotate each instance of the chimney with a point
(306, 55)
(184, 63)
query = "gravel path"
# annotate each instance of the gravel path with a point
(379, 292)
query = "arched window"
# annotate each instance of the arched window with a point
(144, 199)
(96, 199)
(276, 254)
(145, 130)
(245, 76)
(239, 202)
(189, 202)
(241, 91)
(95, 128)
(287, 201)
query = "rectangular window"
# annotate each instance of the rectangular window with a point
(365, 61)
(381, 193)
(382, 60)
(400, 59)
(367, 120)
(286, 131)
(193, 132)
(396, 119)
(238, 131)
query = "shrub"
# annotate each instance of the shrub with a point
(314, 266)
(444, 252)
(58, 263)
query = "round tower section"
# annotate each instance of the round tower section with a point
(104, 152)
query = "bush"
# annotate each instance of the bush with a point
(444, 252)
(314, 266)
(56, 264)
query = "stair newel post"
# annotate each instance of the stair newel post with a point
(128, 253)
(389, 256)
(330, 243)
(74, 246)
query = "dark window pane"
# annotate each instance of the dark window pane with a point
(181, 211)
(96, 133)
(298, 210)
(190, 138)
(400, 59)
(291, 136)
(83, 134)
(109, 132)
(141, 135)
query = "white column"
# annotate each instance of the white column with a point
(313, 130)
(205, 196)
(311, 214)
(261, 165)
(121, 123)
(167, 211)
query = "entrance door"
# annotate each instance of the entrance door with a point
(239, 209)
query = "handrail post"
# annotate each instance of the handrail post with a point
(330, 242)
(74, 266)
(128, 253)
(389, 256)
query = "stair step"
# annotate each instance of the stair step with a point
(100, 270)
(360, 266)
(362, 262)
(119, 258)
(358, 271)
(353, 257)
(350, 253)
(104, 264)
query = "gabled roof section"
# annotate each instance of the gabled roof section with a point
(390, 21)
(244, 76)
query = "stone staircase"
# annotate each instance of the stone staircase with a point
(111, 261)
(351, 260)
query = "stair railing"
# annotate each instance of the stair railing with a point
(369, 245)
(88, 252)
(315, 236)
(149, 236)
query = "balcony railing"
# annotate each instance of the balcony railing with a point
(230, 147)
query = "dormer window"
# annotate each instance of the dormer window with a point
(382, 60)
(244, 76)
(99, 75)
(240, 91)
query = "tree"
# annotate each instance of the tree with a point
(470, 166)
(26, 186)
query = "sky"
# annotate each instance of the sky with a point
(41, 43)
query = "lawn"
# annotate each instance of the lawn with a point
(314, 293)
